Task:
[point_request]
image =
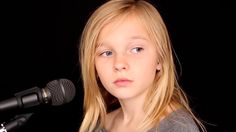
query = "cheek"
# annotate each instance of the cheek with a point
(149, 69)
(98, 68)
(104, 78)
(103, 72)
(148, 76)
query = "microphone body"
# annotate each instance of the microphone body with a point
(56, 92)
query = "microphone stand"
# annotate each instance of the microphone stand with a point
(16, 122)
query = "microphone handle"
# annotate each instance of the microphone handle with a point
(24, 99)
(8, 104)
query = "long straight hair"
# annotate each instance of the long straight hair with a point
(165, 91)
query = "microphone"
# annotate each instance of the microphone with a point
(56, 92)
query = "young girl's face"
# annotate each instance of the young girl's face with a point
(126, 58)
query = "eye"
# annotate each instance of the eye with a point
(106, 53)
(137, 50)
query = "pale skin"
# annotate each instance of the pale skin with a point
(126, 62)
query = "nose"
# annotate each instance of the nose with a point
(120, 63)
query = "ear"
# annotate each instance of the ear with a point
(158, 66)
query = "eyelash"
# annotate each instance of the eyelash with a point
(105, 53)
(137, 49)
(133, 50)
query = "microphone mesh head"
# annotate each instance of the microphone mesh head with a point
(62, 91)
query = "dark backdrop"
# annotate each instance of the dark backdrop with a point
(39, 44)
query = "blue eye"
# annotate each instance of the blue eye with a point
(106, 53)
(137, 49)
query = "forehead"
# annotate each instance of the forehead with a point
(123, 27)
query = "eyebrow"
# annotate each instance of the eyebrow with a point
(138, 37)
(100, 44)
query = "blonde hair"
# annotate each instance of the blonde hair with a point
(166, 90)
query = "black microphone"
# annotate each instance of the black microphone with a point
(56, 92)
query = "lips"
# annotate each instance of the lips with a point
(122, 82)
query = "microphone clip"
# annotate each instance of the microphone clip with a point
(3, 129)
(16, 122)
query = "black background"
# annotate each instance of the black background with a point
(39, 44)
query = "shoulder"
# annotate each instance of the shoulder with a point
(177, 121)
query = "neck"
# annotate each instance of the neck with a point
(132, 109)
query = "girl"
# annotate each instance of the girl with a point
(129, 74)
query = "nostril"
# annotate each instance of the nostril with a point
(121, 65)
(120, 68)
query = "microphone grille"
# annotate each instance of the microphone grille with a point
(62, 91)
